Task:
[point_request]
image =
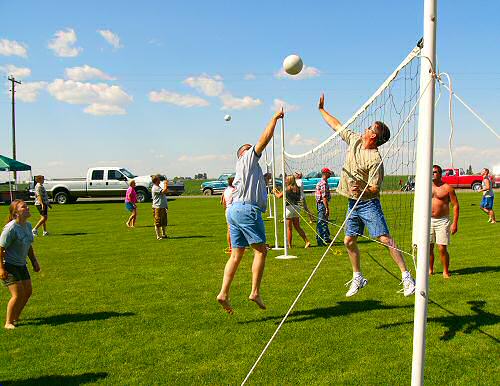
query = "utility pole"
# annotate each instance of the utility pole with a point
(13, 91)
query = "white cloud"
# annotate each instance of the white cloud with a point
(250, 77)
(210, 86)
(63, 43)
(230, 102)
(111, 38)
(298, 140)
(205, 158)
(278, 103)
(16, 72)
(13, 48)
(28, 91)
(55, 163)
(306, 73)
(173, 98)
(103, 109)
(102, 99)
(86, 73)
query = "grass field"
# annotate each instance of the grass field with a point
(115, 306)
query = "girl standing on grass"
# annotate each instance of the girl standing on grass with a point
(226, 201)
(15, 245)
(292, 210)
(131, 204)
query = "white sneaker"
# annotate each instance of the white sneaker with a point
(35, 232)
(357, 283)
(408, 286)
(45, 233)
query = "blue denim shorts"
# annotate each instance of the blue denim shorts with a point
(367, 213)
(129, 206)
(246, 226)
(487, 203)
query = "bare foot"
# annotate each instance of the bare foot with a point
(226, 305)
(431, 272)
(308, 244)
(9, 326)
(258, 301)
(446, 275)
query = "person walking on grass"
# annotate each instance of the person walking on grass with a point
(442, 195)
(322, 204)
(15, 245)
(226, 200)
(131, 204)
(42, 205)
(292, 210)
(160, 207)
(245, 217)
(488, 195)
(363, 168)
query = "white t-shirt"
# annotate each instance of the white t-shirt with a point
(228, 196)
(159, 198)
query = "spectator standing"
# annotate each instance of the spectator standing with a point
(160, 207)
(226, 201)
(42, 205)
(488, 195)
(322, 203)
(131, 204)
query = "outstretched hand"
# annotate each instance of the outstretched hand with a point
(279, 114)
(321, 103)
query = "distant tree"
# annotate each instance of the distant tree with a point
(469, 171)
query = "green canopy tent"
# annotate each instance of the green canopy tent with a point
(11, 165)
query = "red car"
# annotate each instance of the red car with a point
(458, 179)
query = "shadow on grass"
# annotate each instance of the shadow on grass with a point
(73, 234)
(464, 323)
(473, 270)
(56, 320)
(71, 380)
(341, 309)
(188, 237)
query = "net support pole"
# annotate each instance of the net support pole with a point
(275, 218)
(423, 189)
(285, 256)
(267, 187)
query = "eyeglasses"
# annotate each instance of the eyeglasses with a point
(435, 172)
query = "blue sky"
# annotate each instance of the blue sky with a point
(146, 84)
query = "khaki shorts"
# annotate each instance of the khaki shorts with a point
(160, 217)
(440, 230)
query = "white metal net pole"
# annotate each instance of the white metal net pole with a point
(283, 178)
(275, 218)
(423, 189)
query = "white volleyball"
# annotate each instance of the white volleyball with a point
(293, 64)
(227, 118)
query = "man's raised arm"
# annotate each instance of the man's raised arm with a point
(268, 132)
(333, 122)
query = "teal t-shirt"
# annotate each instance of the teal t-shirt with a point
(16, 239)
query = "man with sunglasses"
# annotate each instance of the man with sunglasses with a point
(442, 195)
(360, 181)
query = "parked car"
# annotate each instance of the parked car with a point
(311, 180)
(458, 179)
(217, 186)
(108, 181)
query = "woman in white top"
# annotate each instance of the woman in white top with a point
(226, 201)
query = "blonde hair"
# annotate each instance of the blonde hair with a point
(131, 182)
(291, 184)
(13, 211)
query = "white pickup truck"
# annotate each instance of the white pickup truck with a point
(110, 181)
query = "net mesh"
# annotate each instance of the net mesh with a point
(395, 104)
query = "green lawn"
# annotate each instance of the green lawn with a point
(115, 306)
